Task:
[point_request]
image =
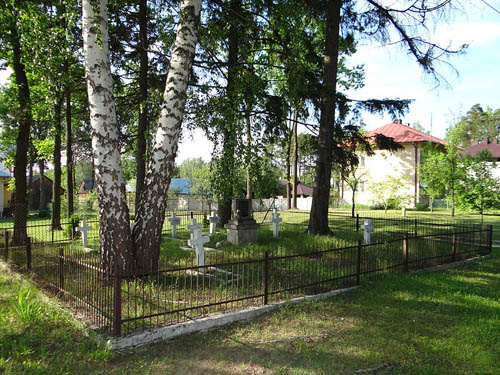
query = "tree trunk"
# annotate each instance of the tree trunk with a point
(229, 129)
(353, 208)
(22, 141)
(288, 168)
(295, 158)
(318, 222)
(150, 213)
(249, 154)
(31, 199)
(115, 244)
(143, 96)
(69, 153)
(42, 199)
(432, 204)
(56, 186)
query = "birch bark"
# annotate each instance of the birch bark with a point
(150, 213)
(115, 243)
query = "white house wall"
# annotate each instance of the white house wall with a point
(379, 167)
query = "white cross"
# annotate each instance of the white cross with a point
(192, 228)
(276, 220)
(213, 219)
(174, 221)
(84, 229)
(368, 228)
(197, 241)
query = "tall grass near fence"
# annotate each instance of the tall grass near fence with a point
(236, 278)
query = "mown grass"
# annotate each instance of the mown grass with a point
(445, 322)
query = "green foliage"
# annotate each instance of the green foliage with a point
(422, 207)
(44, 214)
(478, 190)
(74, 221)
(476, 125)
(27, 308)
(431, 173)
(390, 193)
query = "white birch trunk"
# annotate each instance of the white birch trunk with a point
(114, 230)
(150, 213)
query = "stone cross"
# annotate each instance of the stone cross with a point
(213, 219)
(192, 228)
(276, 220)
(197, 241)
(174, 221)
(84, 229)
(368, 228)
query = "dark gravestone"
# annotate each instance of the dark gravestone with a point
(242, 208)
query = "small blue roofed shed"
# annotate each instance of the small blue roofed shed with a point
(180, 186)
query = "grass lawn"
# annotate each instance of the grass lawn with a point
(446, 322)
(438, 214)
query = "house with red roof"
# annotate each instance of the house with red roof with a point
(403, 163)
(492, 145)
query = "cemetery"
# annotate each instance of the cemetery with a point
(204, 269)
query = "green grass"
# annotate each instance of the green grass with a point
(445, 322)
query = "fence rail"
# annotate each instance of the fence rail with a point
(182, 291)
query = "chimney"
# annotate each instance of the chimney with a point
(399, 121)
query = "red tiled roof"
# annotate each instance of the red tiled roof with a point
(404, 134)
(302, 189)
(492, 147)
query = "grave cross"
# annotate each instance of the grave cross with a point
(213, 219)
(84, 229)
(368, 228)
(197, 241)
(192, 228)
(174, 221)
(276, 220)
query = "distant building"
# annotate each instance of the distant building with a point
(485, 144)
(34, 202)
(5, 194)
(492, 146)
(181, 186)
(403, 163)
(303, 190)
(86, 187)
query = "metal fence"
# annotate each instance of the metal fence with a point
(179, 290)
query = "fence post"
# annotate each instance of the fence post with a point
(416, 224)
(358, 264)
(405, 252)
(490, 237)
(454, 244)
(117, 302)
(266, 277)
(6, 250)
(73, 230)
(28, 253)
(61, 268)
(357, 222)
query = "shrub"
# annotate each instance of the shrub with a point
(422, 207)
(44, 214)
(74, 220)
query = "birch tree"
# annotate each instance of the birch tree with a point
(136, 250)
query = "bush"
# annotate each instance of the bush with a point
(74, 220)
(44, 214)
(422, 207)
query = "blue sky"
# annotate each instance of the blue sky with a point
(390, 73)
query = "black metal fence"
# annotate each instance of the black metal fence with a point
(180, 290)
